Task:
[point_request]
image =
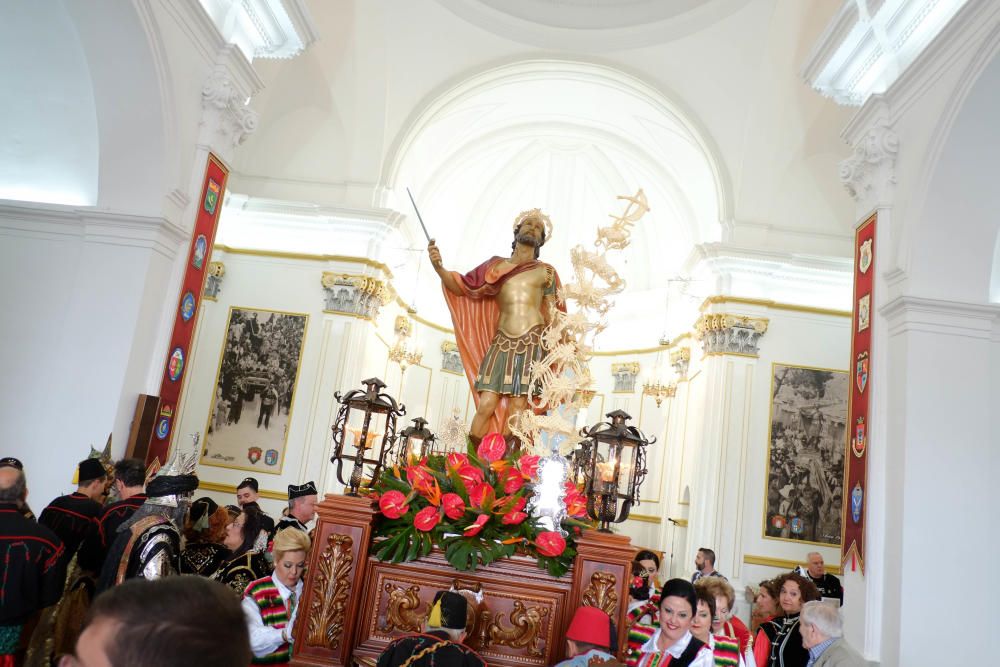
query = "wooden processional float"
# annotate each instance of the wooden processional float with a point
(354, 604)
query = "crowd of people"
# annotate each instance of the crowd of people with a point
(108, 575)
(134, 571)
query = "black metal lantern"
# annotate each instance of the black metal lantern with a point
(415, 442)
(579, 460)
(617, 468)
(362, 405)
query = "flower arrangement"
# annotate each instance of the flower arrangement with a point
(472, 506)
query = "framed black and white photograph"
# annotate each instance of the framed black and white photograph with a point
(255, 390)
(805, 461)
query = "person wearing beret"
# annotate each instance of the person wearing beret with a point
(440, 645)
(591, 640)
(71, 517)
(301, 507)
(130, 485)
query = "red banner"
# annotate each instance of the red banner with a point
(856, 468)
(179, 358)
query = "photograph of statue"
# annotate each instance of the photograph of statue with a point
(254, 390)
(805, 472)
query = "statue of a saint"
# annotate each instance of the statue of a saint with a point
(500, 310)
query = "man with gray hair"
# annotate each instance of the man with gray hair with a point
(822, 633)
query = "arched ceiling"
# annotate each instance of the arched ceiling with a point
(568, 138)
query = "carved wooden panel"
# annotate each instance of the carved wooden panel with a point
(331, 587)
(516, 617)
(601, 593)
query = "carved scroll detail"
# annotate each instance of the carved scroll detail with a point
(601, 593)
(328, 609)
(401, 611)
(527, 626)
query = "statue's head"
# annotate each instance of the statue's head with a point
(532, 228)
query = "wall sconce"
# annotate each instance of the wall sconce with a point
(416, 442)
(362, 405)
(617, 468)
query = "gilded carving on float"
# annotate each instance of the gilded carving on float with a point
(526, 627)
(402, 611)
(361, 296)
(328, 609)
(601, 593)
(722, 333)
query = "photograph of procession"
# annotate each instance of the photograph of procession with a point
(254, 390)
(805, 472)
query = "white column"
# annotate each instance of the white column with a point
(942, 472)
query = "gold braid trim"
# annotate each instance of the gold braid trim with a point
(427, 651)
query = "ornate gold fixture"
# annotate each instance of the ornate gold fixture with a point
(659, 390)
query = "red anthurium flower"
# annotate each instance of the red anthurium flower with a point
(570, 487)
(492, 447)
(426, 519)
(550, 544)
(481, 496)
(392, 504)
(456, 460)
(528, 465)
(511, 503)
(419, 478)
(454, 506)
(513, 518)
(477, 526)
(471, 476)
(512, 480)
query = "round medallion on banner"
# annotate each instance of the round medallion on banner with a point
(163, 428)
(176, 364)
(187, 306)
(200, 249)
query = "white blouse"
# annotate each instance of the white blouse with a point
(265, 639)
(703, 659)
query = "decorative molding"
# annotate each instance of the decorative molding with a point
(644, 518)
(625, 375)
(525, 632)
(869, 174)
(601, 593)
(950, 318)
(402, 610)
(331, 589)
(308, 257)
(227, 111)
(213, 284)
(50, 221)
(230, 489)
(355, 295)
(680, 359)
(869, 45)
(774, 305)
(722, 333)
(786, 565)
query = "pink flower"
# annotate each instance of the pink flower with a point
(471, 476)
(477, 526)
(528, 465)
(550, 544)
(513, 518)
(426, 519)
(456, 460)
(512, 481)
(492, 448)
(393, 505)
(454, 506)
